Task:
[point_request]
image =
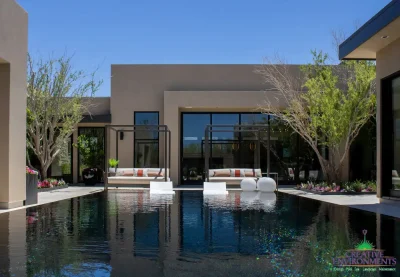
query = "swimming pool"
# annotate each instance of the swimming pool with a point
(127, 233)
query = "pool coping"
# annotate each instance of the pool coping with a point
(53, 188)
(365, 202)
(46, 197)
(339, 193)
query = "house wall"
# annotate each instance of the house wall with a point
(171, 89)
(387, 63)
(13, 53)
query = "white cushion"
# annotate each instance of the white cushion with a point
(257, 171)
(214, 188)
(248, 184)
(128, 180)
(161, 187)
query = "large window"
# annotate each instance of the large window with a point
(146, 141)
(224, 152)
(289, 154)
(395, 86)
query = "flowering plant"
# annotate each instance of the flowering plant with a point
(31, 171)
(356, 186)
(50, 183)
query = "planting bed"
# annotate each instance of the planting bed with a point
(53, 188)
(337, 192)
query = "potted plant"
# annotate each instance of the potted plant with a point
(113, 163)
(31, 186)
(92, 157)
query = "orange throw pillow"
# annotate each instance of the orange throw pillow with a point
(140, 173)
(237, 172)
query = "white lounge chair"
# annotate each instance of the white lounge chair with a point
(214, 188)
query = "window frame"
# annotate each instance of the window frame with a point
(146, 140)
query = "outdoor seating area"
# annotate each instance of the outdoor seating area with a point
(137, 176)
(127, 176)
(243, 177)
(233, 176)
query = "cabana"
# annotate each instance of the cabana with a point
(137, 176)
(233, 176)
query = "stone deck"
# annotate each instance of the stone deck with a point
(368, 203)
(58, 195)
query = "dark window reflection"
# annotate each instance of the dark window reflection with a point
(95, 137)
(146, 140)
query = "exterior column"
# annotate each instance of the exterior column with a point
(75, 168)
(13, 243)
(172, 120)
(13, 53)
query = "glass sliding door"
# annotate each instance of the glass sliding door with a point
(225, 148)
(192, 147)
(395, 87)
(146, 150)
(248, 150)
(94, 139)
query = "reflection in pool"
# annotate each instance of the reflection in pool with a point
(129, 233)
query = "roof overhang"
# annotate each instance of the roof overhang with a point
(100, 118)
(377, 33)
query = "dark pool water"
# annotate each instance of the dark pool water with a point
(138, 234)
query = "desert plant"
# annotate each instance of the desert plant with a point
(326, 105)
(113, 163)
(371, 185)
(58, 97)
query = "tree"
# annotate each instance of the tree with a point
(58, 97)
(326, 105)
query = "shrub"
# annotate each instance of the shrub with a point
(357, 186)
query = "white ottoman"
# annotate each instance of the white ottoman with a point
(248, 184)
(266, 184)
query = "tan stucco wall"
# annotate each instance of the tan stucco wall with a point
(387, 63)
(13, 52)
(169, 89)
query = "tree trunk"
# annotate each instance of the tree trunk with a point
(43, 171)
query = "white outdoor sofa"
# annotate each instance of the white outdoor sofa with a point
(233, 176)
(137, 176)
(395, 178)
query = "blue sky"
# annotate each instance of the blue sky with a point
(100, 33)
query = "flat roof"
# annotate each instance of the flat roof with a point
(357, 46)
(100, 118)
